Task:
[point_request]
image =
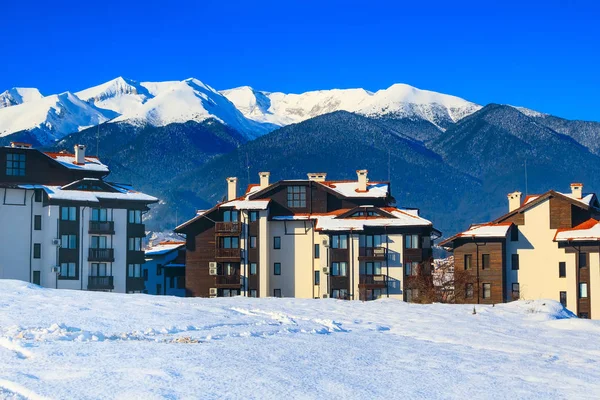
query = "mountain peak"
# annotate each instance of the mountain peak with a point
(19, 95)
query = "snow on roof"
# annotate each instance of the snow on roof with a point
(487, 230)
(164, 248)
(586, 199)
(401, 218)
(57, 193)
(246, 204)
(68, 160)
(587, 231)
(350, 189)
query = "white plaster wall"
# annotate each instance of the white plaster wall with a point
(119, 267)
(15, 253)
(264, 244)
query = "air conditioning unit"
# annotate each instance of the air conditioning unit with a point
(212, 271)
(212, 264)
(325, 242)
(212, 292)
(56, 269)
(326, 270)
(55, 242)
(326, 296)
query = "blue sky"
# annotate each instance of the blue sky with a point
(544, 56)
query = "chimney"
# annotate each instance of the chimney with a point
(317, 176)
(514, 201)
(264, 179)
(80, 154)
(231, 188)
(362, 180)
(577, 190)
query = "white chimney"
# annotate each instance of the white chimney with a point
(317, 176)
(80, 154)
(362, 180)
(264, 179)
(577, 190)
(231, 188)
(514, 201)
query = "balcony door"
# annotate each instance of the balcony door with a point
(100, 270)
(98, 242)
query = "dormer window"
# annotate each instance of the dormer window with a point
(296, 196)
(365, 214)
(15, 164)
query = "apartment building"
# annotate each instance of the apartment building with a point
(545, 247)
(308, 238)
(64, 226)
(164, 270)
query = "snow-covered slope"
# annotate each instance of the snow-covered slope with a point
(15, 96)
(64, 344)
(397, 101)
(192, 100)
(52, 117)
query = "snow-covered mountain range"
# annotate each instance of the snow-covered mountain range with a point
(251, 112)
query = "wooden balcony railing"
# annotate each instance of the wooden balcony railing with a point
(228, 253)
(374, 253)
(228, 227)
(135, 284)
(373, 280)
(107, 255)
(228, 280)
(102, 227)
(100, 283)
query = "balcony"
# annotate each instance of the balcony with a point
(228, 280)
(106, 255)
(228, 254)
(136, 257)
(102, 227)
(372, 253)
(136, 230)
(372, 281)
(228, 228)
(100, 283)
(135, 284)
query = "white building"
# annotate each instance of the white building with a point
(63, 226)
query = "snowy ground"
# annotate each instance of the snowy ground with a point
(82, 345)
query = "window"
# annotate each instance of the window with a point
(469, 291)
(468, 261)
(277, 292)
(487, 290)
(37, 250)
(317, 250)
(37, 278)
(231, 216)
(562, 269)
(583, 290)
(252, 242)
(412, 241)
(485, 261)
(145, 274)
(339, 293)
(158, 269)
(515, 291)
(339, 268)
(99, 242)
(411, 268)
(15, 164)
(99, 214)
(37, 196)
(253, 293)
(68, 241)
(584, 315)
(68, 270)
(339, 241)
(158, 288)
(277, 268)
(296, 196)
(230, 242)
(134, 271)
(229, 269)
(253, 268)
(172, 282)
(563, 298)
(253, 216)
(37, 222)
(228, 292)
(408, 293)
(68, 213)
(317, 277)
(135, 217)
(582, 260)
(371, 240)
(277, 243)
(515, 261)
(372, 268)
(99, 269)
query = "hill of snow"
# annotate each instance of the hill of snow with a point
(15, 96)
(86, 345)
(397, 101)
(51, 117)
